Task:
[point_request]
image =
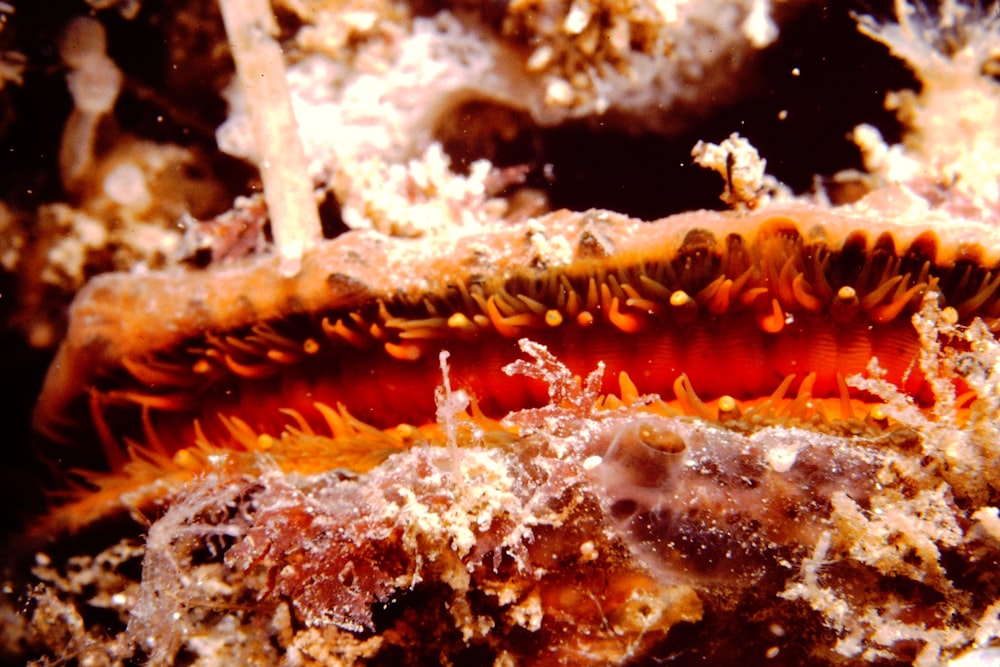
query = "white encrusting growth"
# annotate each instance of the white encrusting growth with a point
(952, 125)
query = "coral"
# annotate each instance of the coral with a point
(54, 614)
(373, 87)
(421, 197)
(592, 57)
(747, 184)
(922, 518)
(952, 138)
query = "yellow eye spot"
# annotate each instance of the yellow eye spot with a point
(846, 304)
(877, 414)
(684, 308)
(407, 432)
(728, 409)
(460, 321)
(184, 459)
(680, 298)
(846, 293)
